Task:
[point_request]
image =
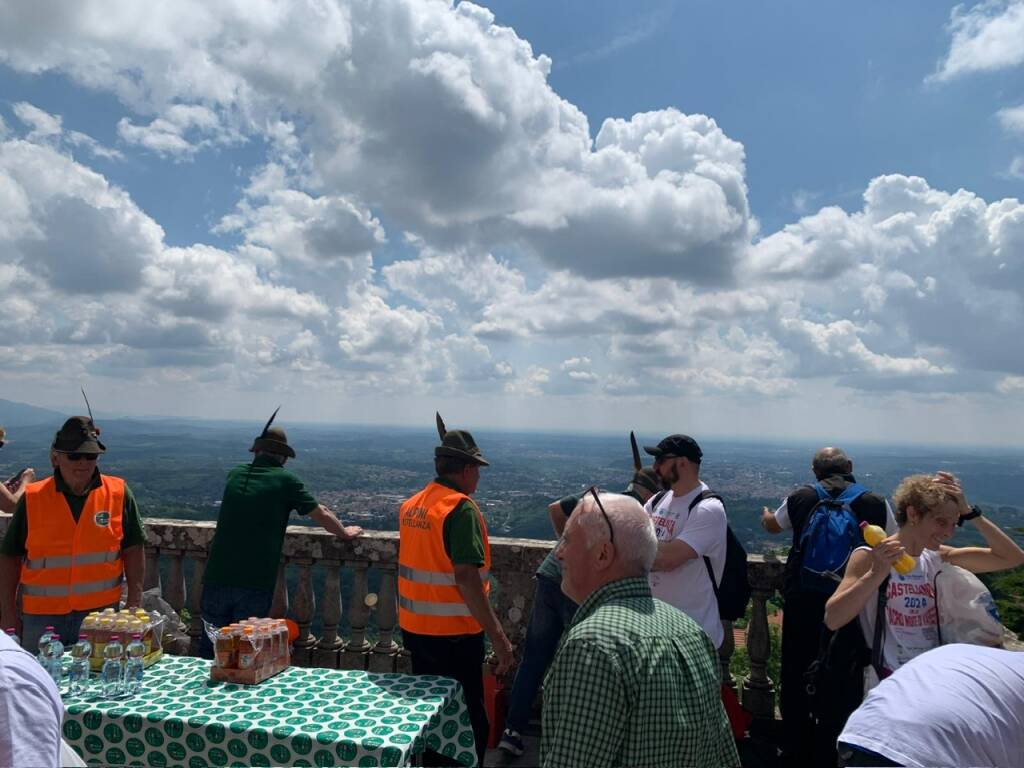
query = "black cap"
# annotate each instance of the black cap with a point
(680, 446)
(78, 435)
(273, 440)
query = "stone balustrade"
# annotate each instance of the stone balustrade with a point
(362, 634)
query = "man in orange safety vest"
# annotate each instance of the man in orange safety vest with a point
(444, 561)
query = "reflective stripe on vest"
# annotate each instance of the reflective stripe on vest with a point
(429, 599)
(64, 561)
(434, 609)
(61, 590)
(436, 578)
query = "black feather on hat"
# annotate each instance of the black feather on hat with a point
(273, 439)
(458, 444)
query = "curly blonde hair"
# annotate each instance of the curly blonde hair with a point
(919, 492)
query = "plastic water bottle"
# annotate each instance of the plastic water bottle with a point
(48, 659)
(13, 634)
(874, 535)
(112, 674)
(133, 666)
(56, 655)
(78, 675)
(45, 654)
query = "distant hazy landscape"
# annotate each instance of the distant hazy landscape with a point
(177, 469)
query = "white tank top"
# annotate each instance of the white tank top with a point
(911, 621)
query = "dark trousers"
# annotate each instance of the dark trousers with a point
(460, 657)
(222, 605)
(552, 612)
(802, 619)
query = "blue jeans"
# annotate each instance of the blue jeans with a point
(552, 612)
(65, 624)
(221, 606)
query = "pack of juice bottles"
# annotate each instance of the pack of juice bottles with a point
(250, 651)
(100, 626)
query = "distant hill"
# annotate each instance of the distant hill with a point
(14, 414)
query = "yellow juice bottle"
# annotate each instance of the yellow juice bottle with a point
(874, 536)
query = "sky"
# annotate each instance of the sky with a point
(784, 220)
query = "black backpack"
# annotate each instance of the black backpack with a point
(733, 592)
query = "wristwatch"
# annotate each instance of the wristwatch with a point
(975, 512)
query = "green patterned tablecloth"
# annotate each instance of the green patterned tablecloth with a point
(304, 717)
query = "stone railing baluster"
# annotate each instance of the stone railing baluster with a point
(195, 592)
(303, 610)
(382, 658)
(279, 607)
(326, 652)
(725, 654)
(355, 655)
(152, 577)
(758, 690)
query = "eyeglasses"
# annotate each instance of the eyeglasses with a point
(611, 531)
(80, 456)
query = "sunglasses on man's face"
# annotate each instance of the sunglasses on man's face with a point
(611, 531)
(80, 456)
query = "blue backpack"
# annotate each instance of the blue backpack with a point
(829, 536)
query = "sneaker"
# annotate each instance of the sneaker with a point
(511, 742)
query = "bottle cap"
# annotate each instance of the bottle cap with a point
(83, 637)
(114, 637)
(864, 524)
(136, 636)
(50, 628)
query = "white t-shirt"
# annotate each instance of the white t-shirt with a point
(954, 705)
(912, 623)
(688, 587)
(30, 709)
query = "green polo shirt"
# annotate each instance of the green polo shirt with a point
(463, 535)
(258, 500)
(131, 521)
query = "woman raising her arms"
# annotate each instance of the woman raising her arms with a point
(927, 509)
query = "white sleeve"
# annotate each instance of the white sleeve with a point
(890, 520)
(704, 529)
(29, 724)
(782, 515)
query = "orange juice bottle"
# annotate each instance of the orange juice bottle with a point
(246, 649)
(874, 536)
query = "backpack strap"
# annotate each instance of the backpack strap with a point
(702, 496)
(851, 493)
(877, 654)
(656, 499)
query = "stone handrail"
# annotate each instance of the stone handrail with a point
(176, 552)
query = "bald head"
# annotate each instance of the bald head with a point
(831, 461)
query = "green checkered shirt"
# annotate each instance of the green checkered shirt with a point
(635, 682)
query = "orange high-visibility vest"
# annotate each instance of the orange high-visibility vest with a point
(72, 566)
(429, 602)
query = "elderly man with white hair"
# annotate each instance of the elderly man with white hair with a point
(635, 681)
